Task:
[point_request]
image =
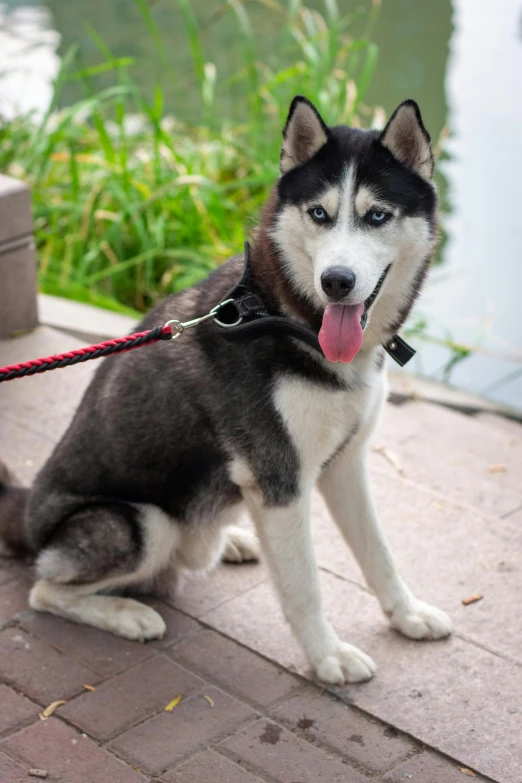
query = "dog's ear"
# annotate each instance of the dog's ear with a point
(408, 140)
(304, 134)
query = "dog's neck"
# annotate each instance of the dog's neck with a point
(271, 277)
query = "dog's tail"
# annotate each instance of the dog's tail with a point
(13, 501)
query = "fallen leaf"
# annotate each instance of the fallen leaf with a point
(391, 457)
(174, 703)
(37, 773)
(210, 701)
(497, 469)
(89, 687)
(472, 599)
(51, 709)
(466, 771)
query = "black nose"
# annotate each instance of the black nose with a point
(337, 282)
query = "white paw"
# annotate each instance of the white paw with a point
(421, 621)
(241, 545)
(134, 620)
(346, 664)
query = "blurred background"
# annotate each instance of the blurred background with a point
(149, 134)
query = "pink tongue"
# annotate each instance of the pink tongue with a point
(341, 332)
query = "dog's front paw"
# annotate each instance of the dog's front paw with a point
(421, 621)
(346, 664)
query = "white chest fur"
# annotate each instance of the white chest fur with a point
(320, 419)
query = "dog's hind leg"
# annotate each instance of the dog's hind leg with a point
(345, 486)
(105, 547)
(121, 616)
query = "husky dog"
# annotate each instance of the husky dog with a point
(169, 443)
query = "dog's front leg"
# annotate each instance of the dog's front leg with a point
(284, 533)
(345, 486)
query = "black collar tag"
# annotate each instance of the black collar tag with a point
(247, 317)
(399, 350)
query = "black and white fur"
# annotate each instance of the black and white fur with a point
(171, 441)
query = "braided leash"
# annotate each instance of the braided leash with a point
(118, 345)
(169, 331)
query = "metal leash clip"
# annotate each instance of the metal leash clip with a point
(178, 327)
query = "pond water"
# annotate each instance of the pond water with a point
(460, 59)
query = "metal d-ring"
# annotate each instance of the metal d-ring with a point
(228, 325)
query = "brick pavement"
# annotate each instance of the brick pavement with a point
(248, 713)
(241, 718)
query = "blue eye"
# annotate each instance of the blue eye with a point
(378, 217)
(318, 214)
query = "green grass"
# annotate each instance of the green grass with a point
(130, 204)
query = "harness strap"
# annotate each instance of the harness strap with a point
(241, 315)
(244, 315)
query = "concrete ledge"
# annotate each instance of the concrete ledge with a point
(18, 280)
(15, 213)
(83, 321)
(405, 387)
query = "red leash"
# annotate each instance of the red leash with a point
(170, 331)
(118, 345)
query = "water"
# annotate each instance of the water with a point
(461, 60)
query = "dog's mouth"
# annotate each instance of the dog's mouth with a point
(341, 333)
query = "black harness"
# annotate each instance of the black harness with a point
(246, 317)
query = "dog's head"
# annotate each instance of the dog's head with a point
(354, 205)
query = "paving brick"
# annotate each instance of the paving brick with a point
(16, 710)
(13, 599)
(255, 620)
(101, 651)
(273, 751)
(47, 401)
(508, 426)
(210, 767)
(515, 518)
(429, 768)
(11, 771)
(131, 697)
(163, 741)
(235, 668)
(20, 446)
(345, 730)
(67, 756)
(452, 453)
(202, 593)
(6, 572)
(38, 670)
